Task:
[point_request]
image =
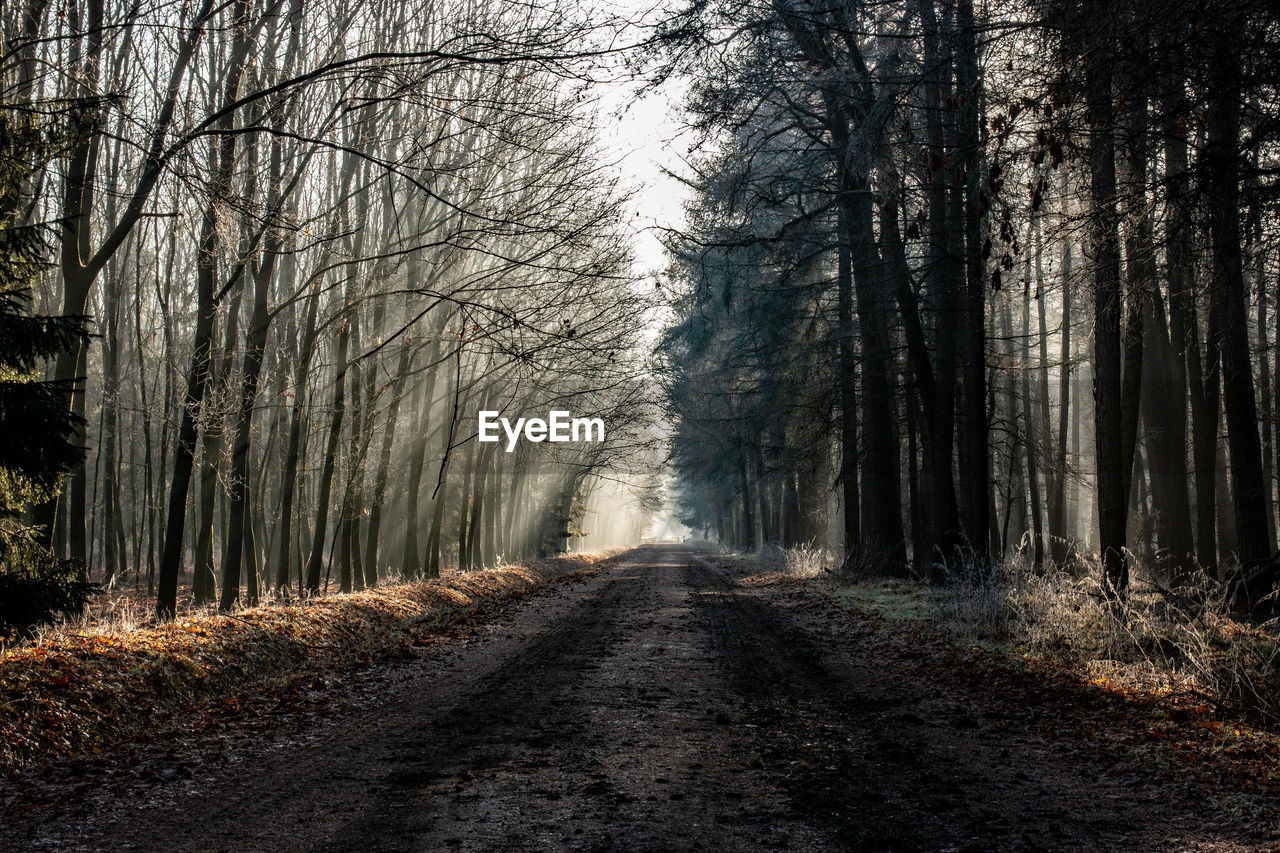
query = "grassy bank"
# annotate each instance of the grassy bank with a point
(76, 691)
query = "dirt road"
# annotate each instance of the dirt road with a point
(663, 704)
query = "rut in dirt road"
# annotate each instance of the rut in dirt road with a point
(662, 704)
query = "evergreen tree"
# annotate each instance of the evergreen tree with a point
(37, 428)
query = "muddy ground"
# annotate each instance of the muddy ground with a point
(663, 704)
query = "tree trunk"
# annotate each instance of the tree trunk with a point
(315, 561)
(1113, 465)
(974, 452)
(206, 309)
(1230, 301)
(293, 451)
(1032, 436)
(384, 468)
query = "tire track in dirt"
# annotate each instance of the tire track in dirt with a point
(498, 739)
(612, 732)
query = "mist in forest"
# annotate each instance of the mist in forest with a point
(311, 249)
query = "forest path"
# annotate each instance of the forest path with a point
(661, 704)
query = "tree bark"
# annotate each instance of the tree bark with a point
(1230, 301)
(1113, 464)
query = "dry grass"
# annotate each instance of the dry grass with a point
(128, 606)
(893, 598)
(1152, 639)
(804, 562)
(75, 690)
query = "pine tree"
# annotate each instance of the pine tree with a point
(37, 428)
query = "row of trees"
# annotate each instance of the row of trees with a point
(1002, 275)
(315, 239)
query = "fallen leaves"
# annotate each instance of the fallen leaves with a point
(74, 694)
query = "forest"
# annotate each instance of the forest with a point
(925, 355)
(311, 241)
(958, 283)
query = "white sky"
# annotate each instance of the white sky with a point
(646, 135)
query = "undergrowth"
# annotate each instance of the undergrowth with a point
(1153, 638)
(804, 561)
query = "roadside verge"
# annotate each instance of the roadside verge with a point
(1182, 736)
(77, 694)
